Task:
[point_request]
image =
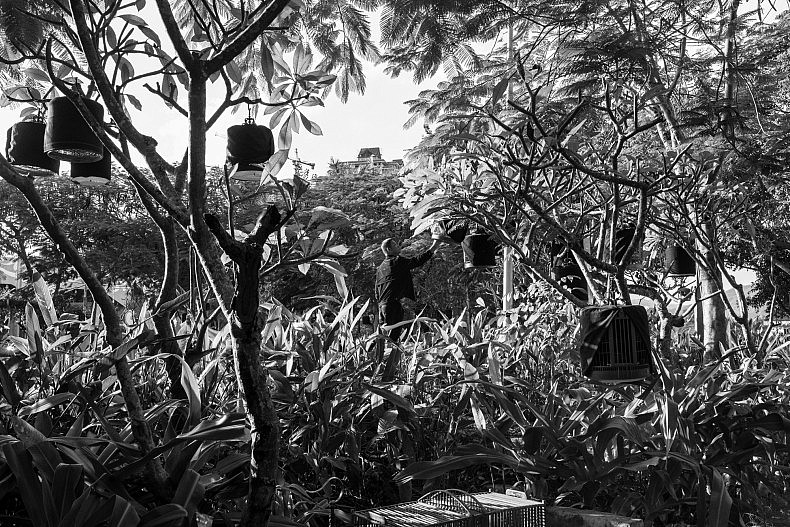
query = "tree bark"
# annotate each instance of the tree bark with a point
(713, 310)
(167, 292)
(246, 325)
(714, 315)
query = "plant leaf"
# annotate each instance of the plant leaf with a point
(123, 514)
(19, 462)
(164, 516)
(46, 403)
(720, 501)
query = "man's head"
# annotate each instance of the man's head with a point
(390, 247)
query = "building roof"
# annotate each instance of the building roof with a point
(365, 153)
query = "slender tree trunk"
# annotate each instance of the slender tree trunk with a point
(714, 314)
(167, 292)
(246, 325)
(714, 327)
(713, 310)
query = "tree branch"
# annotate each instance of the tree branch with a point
(174, 33)
(245, 38)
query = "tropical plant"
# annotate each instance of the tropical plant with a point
(110, 53)
(700, 445)
(569, 138)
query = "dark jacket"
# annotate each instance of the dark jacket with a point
(393, 277)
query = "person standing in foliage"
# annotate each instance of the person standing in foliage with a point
(394, 282)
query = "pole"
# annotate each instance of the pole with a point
(507, 253)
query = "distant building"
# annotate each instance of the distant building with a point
(369, 160)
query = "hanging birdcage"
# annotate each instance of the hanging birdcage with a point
(249, 146)
(615, 343)
(93, 174)
(679, 262)
(24, 148)
(480, 250)
(68, 135)
(622, 240)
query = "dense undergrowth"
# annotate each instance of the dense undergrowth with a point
(481, 401)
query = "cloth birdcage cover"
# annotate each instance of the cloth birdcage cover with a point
(622, 239)
(25, 147)
(595, 322)
(249, 144)
(93, 174)
(679, 262)
(69, 137)
(480, 250)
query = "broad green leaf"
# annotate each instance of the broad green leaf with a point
(134, 101)
(19, 462)
(44, 299)
(499, 89)
(310, 126)
(46, 403)
(36, 74)
(123, 514)
(302, 59)
(392, 397)
(134, 20)
(9, 387)
(33, 329)
(720, 501)
(275, 163)
(286, 133)
(151, 34)
(267, 63)
(164, 516)
(189, 492)
(67, 485)
(192, 389)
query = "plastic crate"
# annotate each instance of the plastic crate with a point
(456, 508)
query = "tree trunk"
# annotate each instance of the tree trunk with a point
(714, 320)
(713, 310)
(161, 321)
(167, 292)
(714, 315)
(246, 325)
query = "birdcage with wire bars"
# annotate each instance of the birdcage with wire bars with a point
(622, 355)
(456, 508)
(269, 194)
